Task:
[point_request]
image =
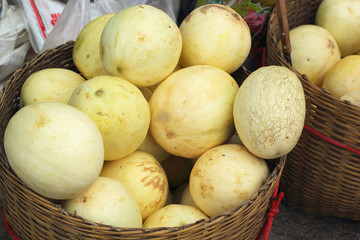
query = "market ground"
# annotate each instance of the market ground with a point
(291, 224)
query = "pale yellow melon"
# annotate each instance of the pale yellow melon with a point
(118, 108)
(49, 85)
(342, 20)
(107, 201)
(86, 51)
(55, 149)
(153, 87)
(144, 176)
(174, 215)
(215, 35)
(141, 44)
(224, 177)
(313, 51)
(353, 97)
(192, 110)
(149, 145)
(269, 111)
(343, 77)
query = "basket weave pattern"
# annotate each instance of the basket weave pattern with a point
(319, 177)
(31, 216)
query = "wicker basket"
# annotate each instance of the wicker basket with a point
(322, 173)
(31, 216)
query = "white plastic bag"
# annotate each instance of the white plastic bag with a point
(111, 6)
(52, 23)
(77, 13)
(41, 17)
(74, 17)
(14, 40)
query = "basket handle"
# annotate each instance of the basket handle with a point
(284, 27)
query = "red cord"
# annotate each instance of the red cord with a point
(329, 140)
(271, 214)
(36, 12)
(11, 233)
(260, 56)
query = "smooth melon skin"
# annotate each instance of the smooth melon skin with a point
(353, 97)
(343, 77)
(149, 145)
(269, 111)
(107, 201)
(119, 110)
(192, 110)
(215, 35)
(144, 176)
(174, 215)
(55, 149)
(313, 51)
(141, 44)
(86, 51)
(224, 177)
(342, 20)
(50, 85)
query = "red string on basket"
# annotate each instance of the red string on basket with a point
(329, 140)
(11, 233)
(260, 56)
(271, 214)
